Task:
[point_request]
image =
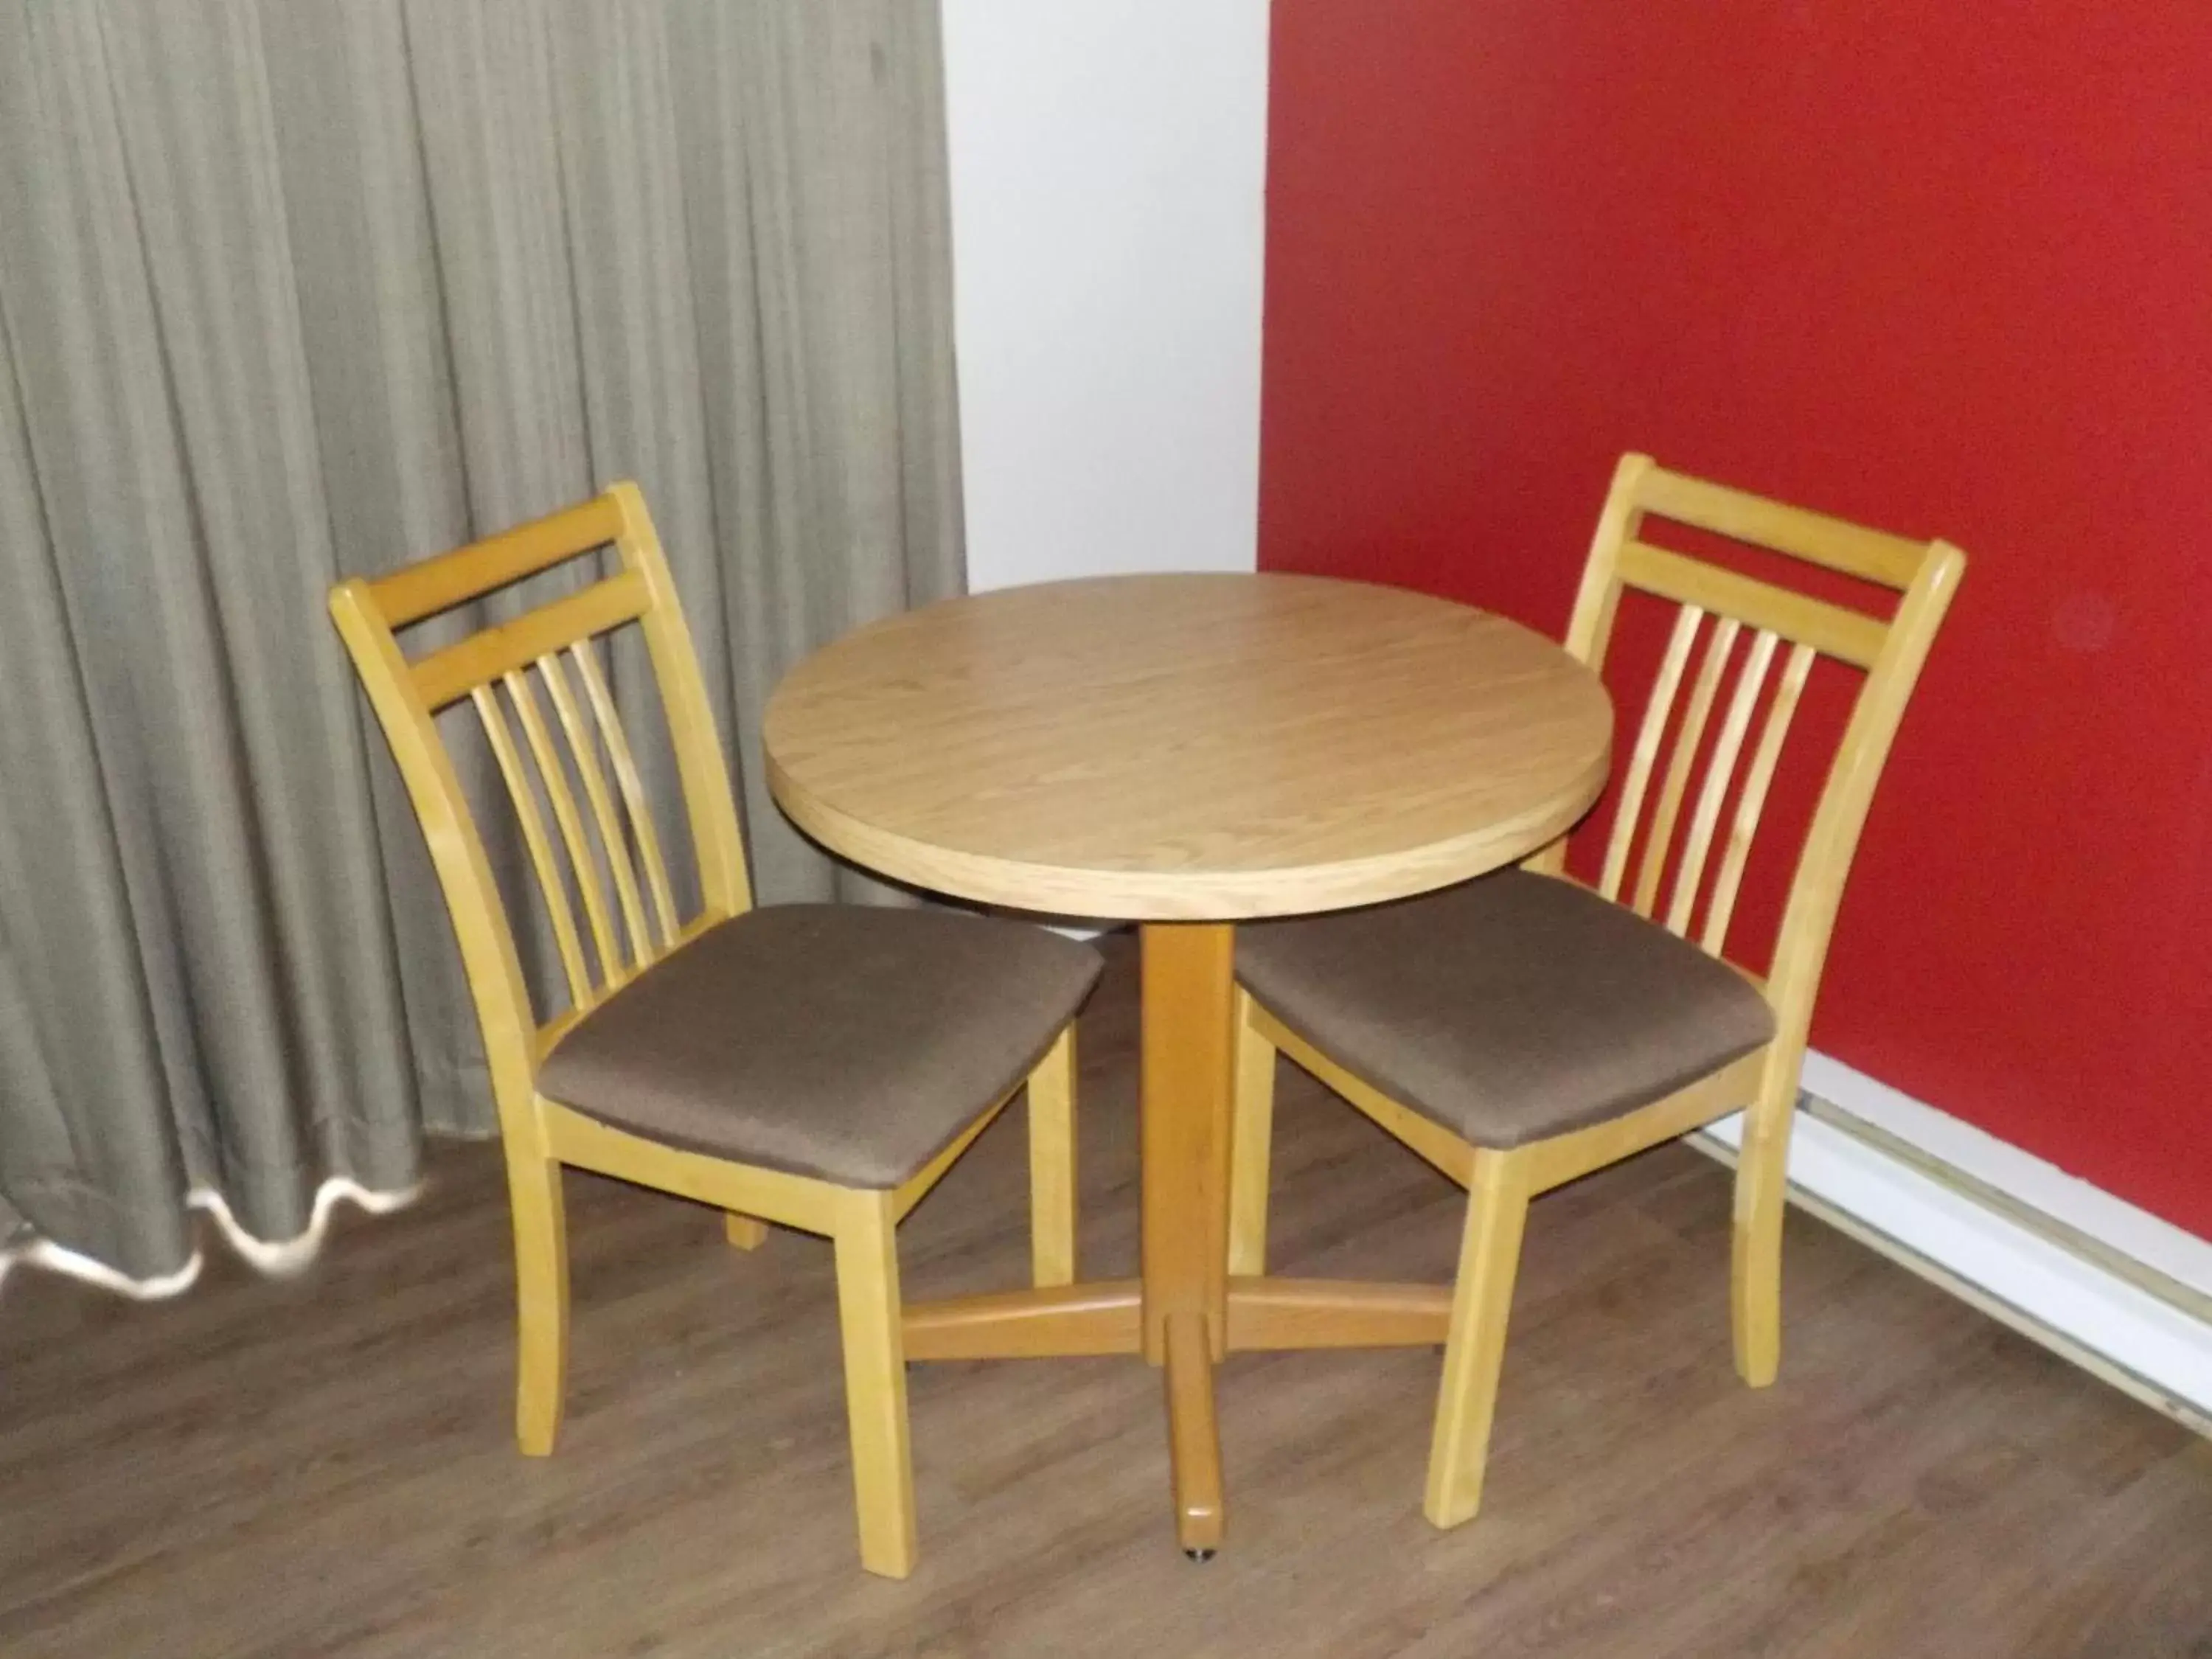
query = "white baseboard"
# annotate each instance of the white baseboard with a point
(2002, 1168)
(2100, 1281)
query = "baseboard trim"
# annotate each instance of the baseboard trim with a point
(2137, 1326)
(2132, 1242)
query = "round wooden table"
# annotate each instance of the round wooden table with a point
(1187, 751)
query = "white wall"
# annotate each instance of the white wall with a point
(1107, 161)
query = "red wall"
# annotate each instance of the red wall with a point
(1946, 269)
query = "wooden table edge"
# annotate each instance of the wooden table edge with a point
(1226, 896)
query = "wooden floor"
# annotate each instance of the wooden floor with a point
(324, 1466)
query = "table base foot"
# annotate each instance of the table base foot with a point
(1271, 1313)
(1096, 1318)
(1194, 1436)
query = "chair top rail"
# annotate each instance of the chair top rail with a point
(429, 586)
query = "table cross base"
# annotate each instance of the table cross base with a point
(1260, 1314)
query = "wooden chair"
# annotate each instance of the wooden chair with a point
(816, 1065)
(1521, 1030)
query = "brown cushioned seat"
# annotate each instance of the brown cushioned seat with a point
(841, 1041)
(1507, 1009)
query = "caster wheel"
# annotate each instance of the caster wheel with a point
(1198, 1555)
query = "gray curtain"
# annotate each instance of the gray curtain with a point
(294, 289)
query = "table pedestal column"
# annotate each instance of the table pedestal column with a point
(1188, 1038)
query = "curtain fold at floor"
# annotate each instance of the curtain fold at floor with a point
(296, 289)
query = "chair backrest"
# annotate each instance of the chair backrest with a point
(1889, 650)
(494, 669)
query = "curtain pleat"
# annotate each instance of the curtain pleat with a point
(297, 288)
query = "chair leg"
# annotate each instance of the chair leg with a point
(1474, 1349)
(1249, 1138)
(744, 1232)
(1052, 1164)
(541, 1276)
(1762, 1184)
(875, 1382)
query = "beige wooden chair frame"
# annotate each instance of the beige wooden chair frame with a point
(1500, 1183)
(541, 1134)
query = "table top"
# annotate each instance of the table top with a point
(1188, 747)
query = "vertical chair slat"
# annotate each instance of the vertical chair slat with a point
(571, 822)
(1720, 772)
(540, 845)
(717, 838)
(612, 840)
(1647, 748)
(1753, 801)
(632, 786)
(1654, 861)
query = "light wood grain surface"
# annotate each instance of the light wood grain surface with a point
(1209, 747)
